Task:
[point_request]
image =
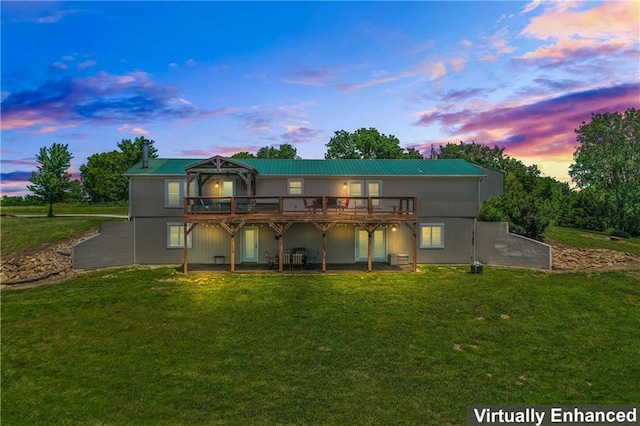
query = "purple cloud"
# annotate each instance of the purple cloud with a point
(540, 128)
(100, 98)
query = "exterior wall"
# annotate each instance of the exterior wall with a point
(458, 244)
(151, 241)
(496, 246)
(492, 185)
(113, 246)
(146, 197)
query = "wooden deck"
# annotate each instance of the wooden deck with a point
(300, 209)
(280, 213)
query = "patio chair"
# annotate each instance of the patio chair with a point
(273, 261)
(310, 204)
(343, 203)
(311, 261)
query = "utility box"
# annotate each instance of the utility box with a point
(476, 268)
(399, 259)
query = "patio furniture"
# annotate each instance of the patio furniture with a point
(273, 261)
(343, 203)
(310, 203)
(297, 259)
(310, 263)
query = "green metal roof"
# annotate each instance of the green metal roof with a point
(265, 167)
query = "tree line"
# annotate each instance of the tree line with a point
(606, 171)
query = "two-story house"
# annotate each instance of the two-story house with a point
(288, 213)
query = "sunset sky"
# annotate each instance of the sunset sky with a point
(205, 78)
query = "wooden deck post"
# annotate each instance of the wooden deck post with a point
(185, 260)
(369, 250)
(233, 252)
(324, 252)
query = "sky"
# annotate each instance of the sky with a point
(204, 78)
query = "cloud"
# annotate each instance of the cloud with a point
(260, 120)
(578, 34)
(320, 76)
(86, 64)
(543, 128)
(530, 7)
(128, 128)
(458, 63)
(299, 134)
(102, 98)
(45, 12)
(18, 176)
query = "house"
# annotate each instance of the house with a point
(254, 211)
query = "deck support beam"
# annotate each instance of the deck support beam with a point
(185, 260)
(324, 227)
(414, 230)
(370, 228)
(232, 228)
(280, 229)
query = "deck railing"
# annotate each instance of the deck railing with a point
(292, 206)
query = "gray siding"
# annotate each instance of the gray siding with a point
(496, 246)
(146, 195)
(458, 243)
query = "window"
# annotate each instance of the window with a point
(295, 186)
(174, 192)
(432, 235)
(175, 236)
(374, 189)
(227, 189)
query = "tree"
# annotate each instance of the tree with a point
(528, 203)
(285, 151)
(51, 181)
(102, 177)
(608, 159)
(366, 144)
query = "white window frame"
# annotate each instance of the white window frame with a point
(376, 203)
(290, 189)
(181, 190)
(425, 245)
(180, 243)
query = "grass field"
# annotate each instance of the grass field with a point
(588, 239)
(19, 233)
(68, 208)
(153, 346)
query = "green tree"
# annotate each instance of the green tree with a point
(528, 202)
(366, 144)
(51, 181)
(284, 151)
(608, 159)
(101, 175)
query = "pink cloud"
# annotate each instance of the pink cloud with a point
(128, 128)
(542, 128)
(606, 27)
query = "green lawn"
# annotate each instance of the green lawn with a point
(153, 346)
(589, 239)
(69, 208)
(19, 233)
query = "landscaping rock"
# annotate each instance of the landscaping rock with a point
(573, 258)
(39, 264)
